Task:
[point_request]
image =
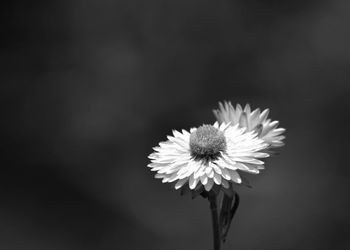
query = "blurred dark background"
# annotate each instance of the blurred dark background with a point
(89, 87)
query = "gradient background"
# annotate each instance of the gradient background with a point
(89, 87)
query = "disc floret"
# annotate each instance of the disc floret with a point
(207, 142)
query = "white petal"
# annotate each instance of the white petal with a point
(217, 178)
(235, 176)
(247, 109)
(173, 177)
(274, 124)
(227, 162)
(264, 115)
(279, 131)
(210, 173)
(224, 126)
(209, 184)
(186, 133)
(193, 182)
(208, 170)
(224, 183)
(183, 171)
(188, 170)
(180, 183)
(243, 121)
(216, 125)
(248, 160)
(200, 170)
(225, 174)
(192, 166)
(254, 118)
(247, 167)
(173, 167)
(159, 176)
(204, 179)
(239, 108)
(177, 133)
(216, 168)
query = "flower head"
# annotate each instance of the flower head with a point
(207, 156)
(251, 120)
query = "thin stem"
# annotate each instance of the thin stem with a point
(215, 220)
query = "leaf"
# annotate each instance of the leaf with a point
(228, 210)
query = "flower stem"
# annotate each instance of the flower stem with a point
(215, 220)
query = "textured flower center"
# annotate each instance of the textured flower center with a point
(207, 142)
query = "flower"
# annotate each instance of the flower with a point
(252, 121)
(207, 156)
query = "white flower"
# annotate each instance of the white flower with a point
(208, 155)
(252, 121)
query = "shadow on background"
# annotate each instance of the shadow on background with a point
(88, 88)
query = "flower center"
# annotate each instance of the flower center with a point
(207, 142)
